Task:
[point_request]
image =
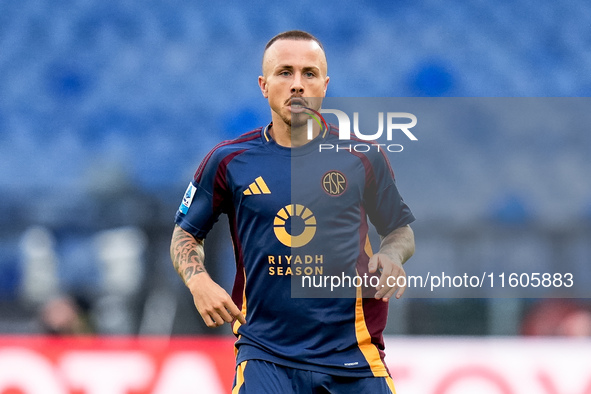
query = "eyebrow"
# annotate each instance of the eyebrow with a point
(304, 69)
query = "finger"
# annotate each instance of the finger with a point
(209, 316)
(391, 283)
(400, 292)
(224, 314)
(383, 282)
(397, 290)
(373, 264)
(234, 311)
(240, 318)
(386, 292)
(389, 293)
(219, 321)
(209, 322)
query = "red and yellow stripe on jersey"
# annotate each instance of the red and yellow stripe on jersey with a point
(297, 213)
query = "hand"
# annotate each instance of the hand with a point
(391, 271)
(213, 303)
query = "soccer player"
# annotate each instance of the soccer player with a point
(295, 212)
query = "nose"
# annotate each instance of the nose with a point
(297, 87)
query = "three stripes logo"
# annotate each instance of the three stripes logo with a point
(294, 225)
(257, 187)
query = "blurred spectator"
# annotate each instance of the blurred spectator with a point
(83, 282)
(63, 315)
(120, 254)
(576, 324)
(557, 317)
(39, 260)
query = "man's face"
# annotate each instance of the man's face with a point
(293, 69)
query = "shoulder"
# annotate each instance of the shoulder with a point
(372, 154)
(245, 141)
(225, 151)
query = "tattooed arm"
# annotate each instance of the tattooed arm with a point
(213, 303)
(187, 254)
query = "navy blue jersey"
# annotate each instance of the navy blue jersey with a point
(297, 212)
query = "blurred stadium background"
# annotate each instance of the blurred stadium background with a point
(107, 107)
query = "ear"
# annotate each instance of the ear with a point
(326, 84)
(263, 86)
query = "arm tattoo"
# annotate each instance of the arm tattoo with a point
(187, 254)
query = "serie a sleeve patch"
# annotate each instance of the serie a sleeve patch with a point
(187, 199)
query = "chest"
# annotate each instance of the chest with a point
(263, 185)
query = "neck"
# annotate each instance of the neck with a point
(291, 137)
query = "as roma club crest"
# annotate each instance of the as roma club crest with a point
(334, 183)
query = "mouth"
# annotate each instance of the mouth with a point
(296, 104)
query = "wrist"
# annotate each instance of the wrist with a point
(392, 255)
(196, 281)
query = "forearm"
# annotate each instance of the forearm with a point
(399, 245)
(187, 254)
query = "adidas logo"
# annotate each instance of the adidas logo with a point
(257, 187)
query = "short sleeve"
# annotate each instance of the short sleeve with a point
(382, 201)
(206, 197)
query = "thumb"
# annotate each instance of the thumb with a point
(373, 264)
